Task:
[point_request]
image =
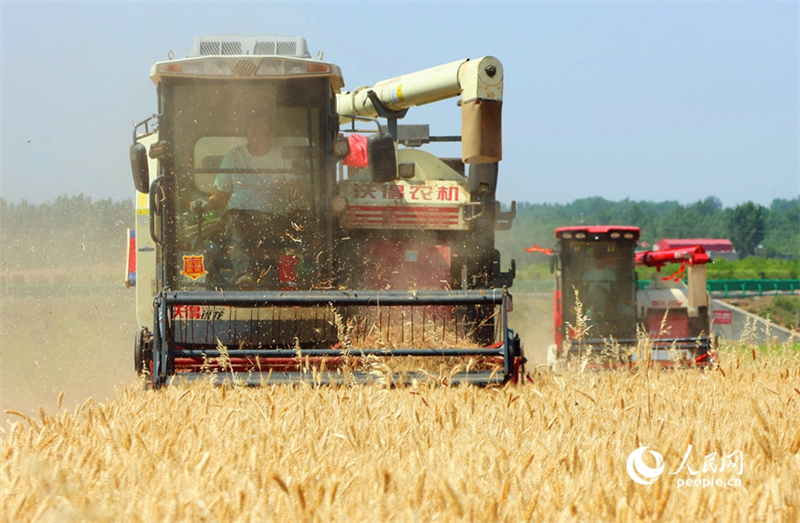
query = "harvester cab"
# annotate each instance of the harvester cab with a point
(599, 313)
(595, 295)
(255, 252)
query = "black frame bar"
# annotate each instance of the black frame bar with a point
(335, 298)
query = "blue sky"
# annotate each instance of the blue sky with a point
(641, 100)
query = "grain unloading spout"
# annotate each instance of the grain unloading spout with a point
(695, 257)
(479, 83)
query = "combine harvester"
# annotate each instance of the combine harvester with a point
(595, 265)
(396, 251)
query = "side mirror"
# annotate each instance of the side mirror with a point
(382, 158)
(140, 168)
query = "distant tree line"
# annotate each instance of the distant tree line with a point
(72, 230)
(776, 229)
(76, 230)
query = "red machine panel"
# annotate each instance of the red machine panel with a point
(434, 205)
(676, 326)
(403, 264)
(403, 217)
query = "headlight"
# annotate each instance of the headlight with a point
(282, 67)
(201, 67)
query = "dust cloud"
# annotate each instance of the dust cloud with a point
(532, 319)
(71, 337)
(66, 320)
(78, 338)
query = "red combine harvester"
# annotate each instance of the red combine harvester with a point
(601, 315)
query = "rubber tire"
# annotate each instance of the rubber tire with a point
(142, 351)
(138, 353)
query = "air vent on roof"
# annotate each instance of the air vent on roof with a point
(287, 48)
(294, 46)
(264, 48)
(209, 48)
(231, 47)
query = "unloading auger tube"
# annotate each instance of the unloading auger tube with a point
(479, 83)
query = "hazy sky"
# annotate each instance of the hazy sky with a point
(641, 100)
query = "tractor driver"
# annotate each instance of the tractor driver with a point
(598, 279)
(257, 216)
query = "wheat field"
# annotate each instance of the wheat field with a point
(553, 449)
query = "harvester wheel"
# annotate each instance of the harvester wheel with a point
(142, 351)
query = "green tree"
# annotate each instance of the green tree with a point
(636, 215)
(746, 227)
(709, 206)
(783, 228)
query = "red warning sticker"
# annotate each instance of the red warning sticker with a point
(194, 267)
(723, 317)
